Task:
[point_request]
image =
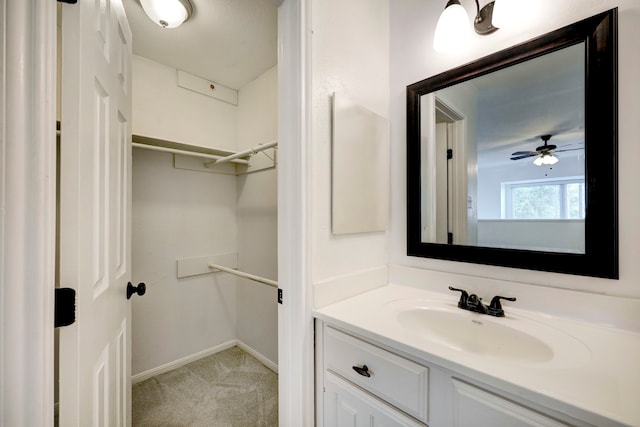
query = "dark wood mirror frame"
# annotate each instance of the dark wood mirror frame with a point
(601, 144)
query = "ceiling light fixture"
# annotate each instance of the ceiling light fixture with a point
(546, 159)
(452, 31)
(167, 13)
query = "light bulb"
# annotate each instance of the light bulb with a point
(546, 159)
(453, 31)
(550, 159)
(167, 13)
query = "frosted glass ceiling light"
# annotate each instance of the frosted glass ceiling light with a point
(550, 159)
(452, 31)
(167, 13)
(546, 159)
(514, 13)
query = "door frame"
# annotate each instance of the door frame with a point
(28, 214)
(28, 211)
(295, 319)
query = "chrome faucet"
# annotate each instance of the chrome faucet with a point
(474, 303)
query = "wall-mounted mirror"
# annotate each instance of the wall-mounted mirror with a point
(512, 159)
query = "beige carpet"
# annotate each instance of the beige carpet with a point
(230, 388)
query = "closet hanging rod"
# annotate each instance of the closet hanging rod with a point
(243, 274)
(186, 153)
(244, 153)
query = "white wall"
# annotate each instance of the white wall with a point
(179, 214)
(559, 235)
(159, 109)
(350, 54)
(257, 213)
(413, 59)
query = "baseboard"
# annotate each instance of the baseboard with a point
(262, 359)
(181, 362)
(142, 376)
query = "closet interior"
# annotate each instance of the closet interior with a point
(204, 185)
(204, 205)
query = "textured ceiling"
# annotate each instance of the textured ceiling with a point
(230, 42)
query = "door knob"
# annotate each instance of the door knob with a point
(140, 289)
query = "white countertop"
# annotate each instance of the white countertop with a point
(601, 385)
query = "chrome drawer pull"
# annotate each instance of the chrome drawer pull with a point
(364, 371)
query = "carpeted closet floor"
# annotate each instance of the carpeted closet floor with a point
(230, 388)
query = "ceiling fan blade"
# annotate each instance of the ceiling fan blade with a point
(522, 153)
(531, 154)
(568, 149)
(573, 144)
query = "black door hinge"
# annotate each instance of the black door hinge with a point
(279, 296)
(449, 153)
(449, 238)
(65, 307)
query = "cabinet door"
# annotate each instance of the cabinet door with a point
(394, 379)
(474, 407)
(347, 406)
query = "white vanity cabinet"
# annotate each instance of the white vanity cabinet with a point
(347, 405)
(365, 385)
(403, 392)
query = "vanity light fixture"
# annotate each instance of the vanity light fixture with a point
(452, 31)
(167, 13)
(546, 159)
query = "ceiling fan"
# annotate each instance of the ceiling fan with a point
(544, 153)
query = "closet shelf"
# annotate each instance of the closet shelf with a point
(155, 144)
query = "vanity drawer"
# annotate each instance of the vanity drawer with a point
(395, 379)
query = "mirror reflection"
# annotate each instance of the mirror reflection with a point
(503, 157)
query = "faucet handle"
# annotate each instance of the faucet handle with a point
(463, 297)
(495, 308)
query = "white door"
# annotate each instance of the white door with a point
(443, 180)
(95, 206)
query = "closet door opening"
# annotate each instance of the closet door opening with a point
(205, 342)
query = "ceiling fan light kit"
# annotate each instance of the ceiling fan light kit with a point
(544, 153)
(167, 13)
(546, 159)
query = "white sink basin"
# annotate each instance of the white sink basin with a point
(511, 338)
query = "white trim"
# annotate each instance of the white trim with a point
(27, 211)
(178, 363)
(341, 287)
(261, 358)
(295, 322)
